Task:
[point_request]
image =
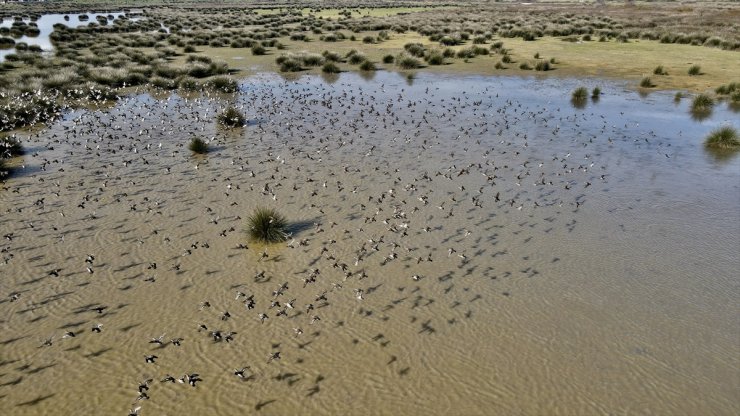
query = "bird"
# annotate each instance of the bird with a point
(157, 340)
(240, 372)
(150, 359)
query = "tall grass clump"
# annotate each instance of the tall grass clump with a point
(367, 66)
(702, 103)
(542, 66)
(330, 68)
(267, 225)
(231, 117)
(580, 94)
(646, 82)
(725, 138)
(695, 70)
(659, 70)
(223, 84)
(407, 62)
(198, 145)
(10, 147)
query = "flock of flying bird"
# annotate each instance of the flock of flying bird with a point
(391, 190)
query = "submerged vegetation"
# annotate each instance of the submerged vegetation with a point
(267, 225)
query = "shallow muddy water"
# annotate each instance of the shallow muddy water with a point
(516, 255)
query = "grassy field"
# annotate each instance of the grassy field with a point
(631, 61)
(359, 12)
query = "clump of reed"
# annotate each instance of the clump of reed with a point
(367, 66)
(10, 146)
(580, 94)
(330, 68)
(724, 138)
(198, 145)
(267, 225)
(702, 103)
(646, 82)
(407, 62)
(289, 63)
(222, 84)
(231, 117)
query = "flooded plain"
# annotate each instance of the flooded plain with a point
(460, 245)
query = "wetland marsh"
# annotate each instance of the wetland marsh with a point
(457, 242)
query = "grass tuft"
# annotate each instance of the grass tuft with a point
(267, 225)
(198, 145)
(726, 138)
(330, 68)
(231, 117)
(646, 82)
(580, 94)
(659, 70)
(695, 70)
(10, 147)
(702, 103)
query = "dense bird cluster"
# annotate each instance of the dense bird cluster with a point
(404, 203)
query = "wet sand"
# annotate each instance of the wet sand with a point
(515, 255)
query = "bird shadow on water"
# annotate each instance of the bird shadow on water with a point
(262, 404)
(36, 401)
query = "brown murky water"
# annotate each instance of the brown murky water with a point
(568, 261)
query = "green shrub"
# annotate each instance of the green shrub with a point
(198, 145)
(646, 82)
(367, 66)
(659, 70)
(289, 64)
(356, 58)
(702, 103)
(258, 50)
(388, 59)
(10, 147)
(186, 83)
(222, 84)
(435, 58)
(407, 62)
(580, 94)
(330, 68)
(525, 66)
(596, 92)
(231, 117)
(542, 66)
(695, 70)
(723, 138)
(267, 225)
